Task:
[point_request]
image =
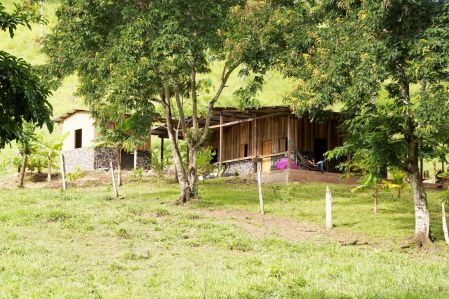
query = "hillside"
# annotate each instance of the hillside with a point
(25, 44)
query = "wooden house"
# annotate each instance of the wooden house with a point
(268, 134)
(242, 138)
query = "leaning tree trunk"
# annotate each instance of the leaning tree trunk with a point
(184, 188)
(49, 169)
(22, 171)
(444, 223)
(192, 171)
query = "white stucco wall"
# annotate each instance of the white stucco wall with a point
(79, 120)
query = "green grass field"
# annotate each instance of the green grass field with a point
(86, 244)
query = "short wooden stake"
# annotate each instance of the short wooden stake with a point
(64, 184)
(135, 159)
(443, 219)
(114, 186)
(259, 182)
(328, 208)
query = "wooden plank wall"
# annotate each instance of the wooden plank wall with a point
(275, 128)
(307, 132)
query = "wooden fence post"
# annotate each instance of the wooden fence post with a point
(64, 184)
(328, 208)
(259, 182)
(114, 186)
(443, 219)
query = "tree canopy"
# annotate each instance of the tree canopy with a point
(385, 64)
(23, 94)
(132, 56)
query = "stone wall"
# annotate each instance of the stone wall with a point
(245, 167)
(84, 158)
(143, 159)
(104, 156)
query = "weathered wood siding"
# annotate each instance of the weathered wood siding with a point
(275, 128)
(307, 132)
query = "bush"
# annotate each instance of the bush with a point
(75, 175)
(137, 174)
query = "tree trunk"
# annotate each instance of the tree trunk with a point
(192, 171)
(22, 171)
(184, 187)
(49, 170)
(443, 221)
(422, 218)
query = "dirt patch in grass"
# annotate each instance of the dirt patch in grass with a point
(262, 226)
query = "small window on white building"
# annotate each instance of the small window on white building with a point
(79, 138)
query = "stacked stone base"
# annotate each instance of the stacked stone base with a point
(238, 168)
(84, 158)
(90, 159)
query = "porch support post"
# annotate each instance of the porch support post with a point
(421, 168)
(289, 148)
(162, 152)
(329, 124)
(220, 151)
(254, 141)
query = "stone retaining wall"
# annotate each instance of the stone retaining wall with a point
(245, 167)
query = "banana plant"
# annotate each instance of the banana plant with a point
(51, 150)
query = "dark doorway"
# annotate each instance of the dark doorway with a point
(79, 138)
(127, 161)
(244, 150)
(320, 148)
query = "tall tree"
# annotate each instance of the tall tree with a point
(23, 94)
(154, 53)
(386, 64)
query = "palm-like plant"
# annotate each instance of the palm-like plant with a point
(397, 181)
(51, 151)
(371, 181)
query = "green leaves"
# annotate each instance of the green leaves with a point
(23, 94)
(23, 97)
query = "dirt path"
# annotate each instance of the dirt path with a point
(274, 226)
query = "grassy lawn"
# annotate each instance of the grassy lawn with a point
(85, 244)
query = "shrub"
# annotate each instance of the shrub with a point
(76, 174)
(137, 174)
